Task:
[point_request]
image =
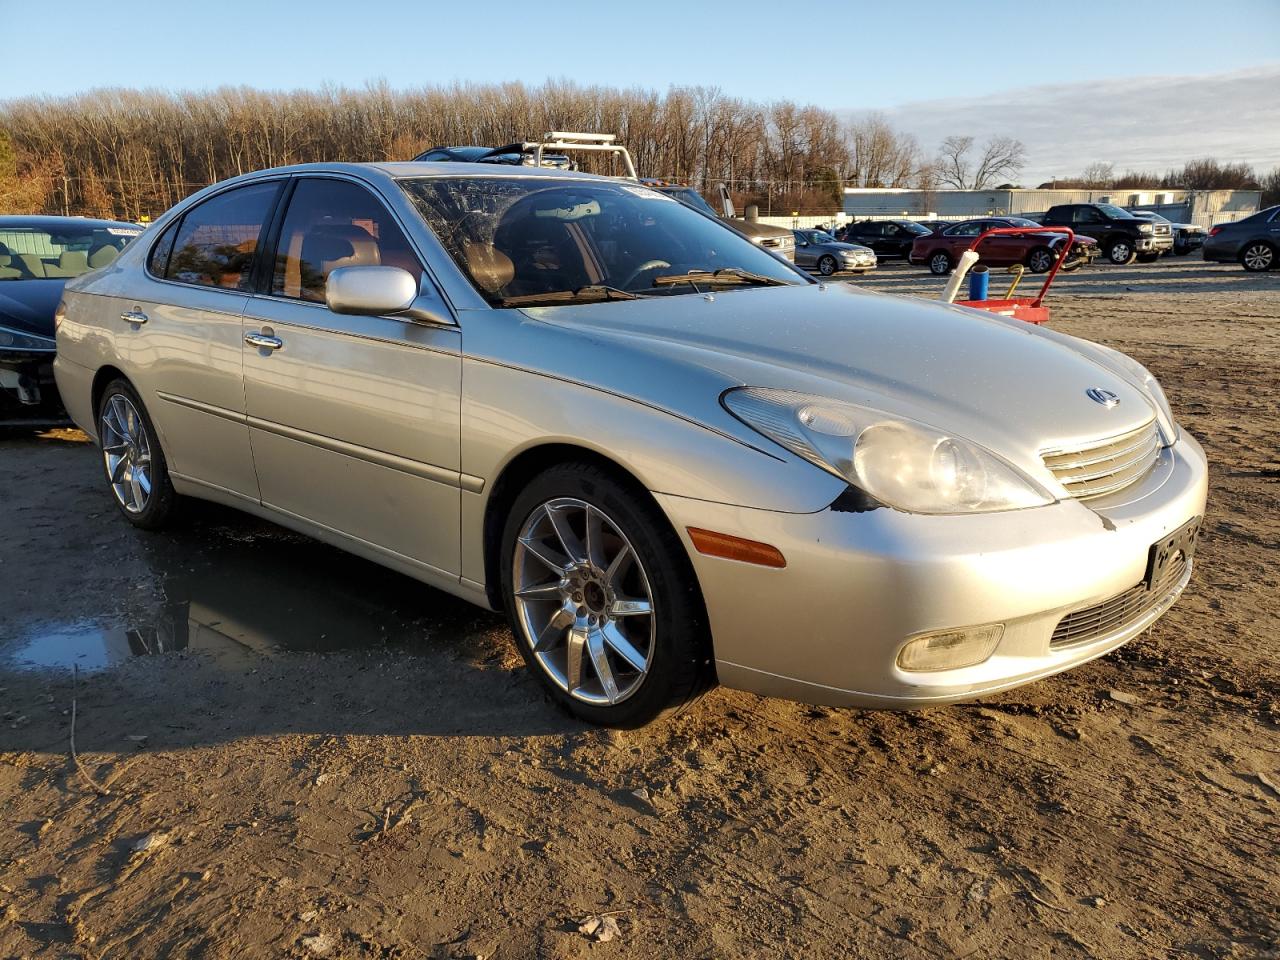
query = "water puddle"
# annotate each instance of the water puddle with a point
(242, 591)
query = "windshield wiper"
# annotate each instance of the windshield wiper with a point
(723, 275)
(591, 293)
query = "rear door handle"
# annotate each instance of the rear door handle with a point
(133, 316)
(263, 340)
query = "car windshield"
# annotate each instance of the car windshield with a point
(42, 252)
(690, 197)
(819, 237)
(1116, 213)
(916, 229)
(533, 240)
(1151, 215)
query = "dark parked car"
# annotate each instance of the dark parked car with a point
(513, 154)
(38, 255)
(1186, 236)
(888, 238)
(1036, 251)
(1122, 236)
(1253, 242)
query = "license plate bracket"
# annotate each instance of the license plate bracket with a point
(1164, 552)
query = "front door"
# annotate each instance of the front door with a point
(354, 420)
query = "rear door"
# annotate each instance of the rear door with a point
(183, 341)
(354, 420)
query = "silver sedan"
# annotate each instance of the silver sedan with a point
(818, 250)
(671, 457)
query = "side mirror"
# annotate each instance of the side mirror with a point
(382, 291)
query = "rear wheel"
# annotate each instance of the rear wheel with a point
(826, 265)
(602, 598)
(131, 456)
(1040, 260)
(1257, 257)
(1120, 251)
(939, 263)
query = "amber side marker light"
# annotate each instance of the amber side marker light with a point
(735, 548)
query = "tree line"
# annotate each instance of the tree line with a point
(134, 153)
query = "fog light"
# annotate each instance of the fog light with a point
(950, 649)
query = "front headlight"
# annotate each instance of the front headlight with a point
(1145, 228)
(11, 339)
(900, 462)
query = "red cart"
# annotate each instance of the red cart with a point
(1030, 309)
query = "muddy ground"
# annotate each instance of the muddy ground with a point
(301, 754)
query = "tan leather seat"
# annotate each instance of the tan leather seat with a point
(329, 246)
(102, 256)
(33, 265)
(71, 263)
(490, 268)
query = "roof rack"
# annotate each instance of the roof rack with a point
(561, 141)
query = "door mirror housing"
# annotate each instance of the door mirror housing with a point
(383, 291)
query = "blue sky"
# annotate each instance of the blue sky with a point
(987, 65)
(866, 59)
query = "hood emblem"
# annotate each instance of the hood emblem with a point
(1104, 397)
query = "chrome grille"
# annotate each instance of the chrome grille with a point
(1112, 616)
(1105, 466)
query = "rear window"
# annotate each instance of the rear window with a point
(217, 240)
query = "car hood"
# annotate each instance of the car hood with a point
(842, 247)
(999, 382)
(28, 305)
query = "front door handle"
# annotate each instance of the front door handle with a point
(263, 340)
(133, 316)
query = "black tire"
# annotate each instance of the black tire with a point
(1148, 257)
(940, 263)
(826, 265)
(1121, 252)
(162, 500)
(1258, 256)
(681, 668)
(1040, 260)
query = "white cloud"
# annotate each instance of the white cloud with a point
(1136, 123)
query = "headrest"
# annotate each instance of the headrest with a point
(489, 267)
(101, 256)
(73, 259)
(347, 245)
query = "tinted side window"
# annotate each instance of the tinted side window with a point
(158, 262)
(331, 224)
(217, 240)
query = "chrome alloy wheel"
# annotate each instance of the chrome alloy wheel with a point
(127, 453)
(1258, 257)
(583, 601)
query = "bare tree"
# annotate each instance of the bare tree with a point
(1001, 159)
(1098, 176)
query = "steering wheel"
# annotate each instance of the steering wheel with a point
(634, 275)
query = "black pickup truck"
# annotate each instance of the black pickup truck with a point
(1122, 236)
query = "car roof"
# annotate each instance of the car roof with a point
(422, 168)
(42, 222)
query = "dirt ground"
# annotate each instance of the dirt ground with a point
(323, 758)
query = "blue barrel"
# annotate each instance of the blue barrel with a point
(979, 282)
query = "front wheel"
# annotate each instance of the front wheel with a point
(827, 265)
(1257, 257)
(602, 598)
(135, 465)
(939, 264)
(1121, 252)
(1040, 260)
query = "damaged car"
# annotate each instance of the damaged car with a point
(670, 457)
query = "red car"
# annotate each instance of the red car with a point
(1036, 251)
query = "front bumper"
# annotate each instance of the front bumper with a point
(829, 626)
(27, 387)
(1146, 244)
